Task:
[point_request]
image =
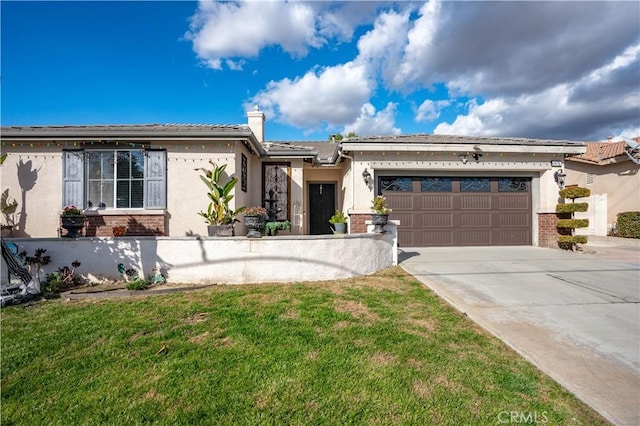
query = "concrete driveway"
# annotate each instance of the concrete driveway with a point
(574, 315)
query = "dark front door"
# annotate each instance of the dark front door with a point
(322, 205)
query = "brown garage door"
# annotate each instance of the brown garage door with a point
(459, 211)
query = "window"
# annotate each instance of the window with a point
(400, 184)
(475, 185)
(513, 184)
(434, 184)
(121, 179)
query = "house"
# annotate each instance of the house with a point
(610, 170)
(444, 190)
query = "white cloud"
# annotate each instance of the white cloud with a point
(232, 30)
(371, 122)
(564, 111)
(430, 110)
(332, 95)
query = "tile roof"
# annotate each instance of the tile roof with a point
(601, 152)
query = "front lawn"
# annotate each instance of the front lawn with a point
(374, 350)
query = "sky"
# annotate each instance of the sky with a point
(549, 70)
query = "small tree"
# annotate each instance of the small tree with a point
(218, 212)
(567, 225)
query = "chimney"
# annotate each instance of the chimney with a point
(256, 123)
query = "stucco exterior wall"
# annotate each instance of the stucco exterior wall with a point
(233, 260)
(34, 178)
(620, 181)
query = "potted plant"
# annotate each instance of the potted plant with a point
(219, 216)
(254, 218)
(72, 219)
(272, 228)
(8, 208)
(339, 222)
(380, 215)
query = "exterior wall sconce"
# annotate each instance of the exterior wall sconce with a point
(366, 176)
(559, 176)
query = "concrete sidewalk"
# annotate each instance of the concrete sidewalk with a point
(574, 315)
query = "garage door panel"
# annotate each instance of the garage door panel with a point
(514, 220)
(475, 220)
(475, 202)
(400, 202)
(514, 202)
(437, 220)
(475, 237)
(436, 202)
(407, 218)
(514, 237)
(437, 238)
(436, 211)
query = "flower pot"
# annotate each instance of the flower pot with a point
(73, 224)
(255, 224)
(220, 230)
(7, 231)
(339, 228)
(379, 221)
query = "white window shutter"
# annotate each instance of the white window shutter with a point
(155, 170)
(73, 179)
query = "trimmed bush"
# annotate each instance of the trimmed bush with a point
(573, 223)
(574, 192)
(572, 208)
(629, 224)
(569, 240)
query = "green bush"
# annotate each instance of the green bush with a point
(138, 284)
(629, 225)
(572, 207)
(573, 223)
(572, 239)
(574, 192)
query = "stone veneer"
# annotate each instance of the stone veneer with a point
(548, 230)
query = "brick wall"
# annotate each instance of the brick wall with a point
(547, 228)
(356, 223)
(136, 225)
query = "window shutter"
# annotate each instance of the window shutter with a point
(156, 179)
(73, 178)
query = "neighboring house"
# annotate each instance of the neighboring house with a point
(444, 190)
(610, 171)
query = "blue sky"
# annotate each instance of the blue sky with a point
(524, 69)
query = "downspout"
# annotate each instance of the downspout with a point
(353, 177)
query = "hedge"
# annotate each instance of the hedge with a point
(629, 225)
(573, 223)
(572, 239)
(574, 192)
(572, 207)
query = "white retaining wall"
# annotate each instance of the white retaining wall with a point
(232, 260)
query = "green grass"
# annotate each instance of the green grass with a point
(374, 350)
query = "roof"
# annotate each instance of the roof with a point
(602, 153)
(455, 139)
(123, 130)
(324, 152)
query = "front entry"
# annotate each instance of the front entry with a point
(322, 205)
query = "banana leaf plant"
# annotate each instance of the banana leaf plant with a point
(218, 212)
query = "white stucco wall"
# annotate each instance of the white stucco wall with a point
(33, 176)
(232, 260)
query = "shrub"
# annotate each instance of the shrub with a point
(338, 217)
(569, 240)
(573, 223)
(629, 224)
(138, 284)
(574, 192)
(572, 208)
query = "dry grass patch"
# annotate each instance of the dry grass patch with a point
(383, 359)
(356, 308)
